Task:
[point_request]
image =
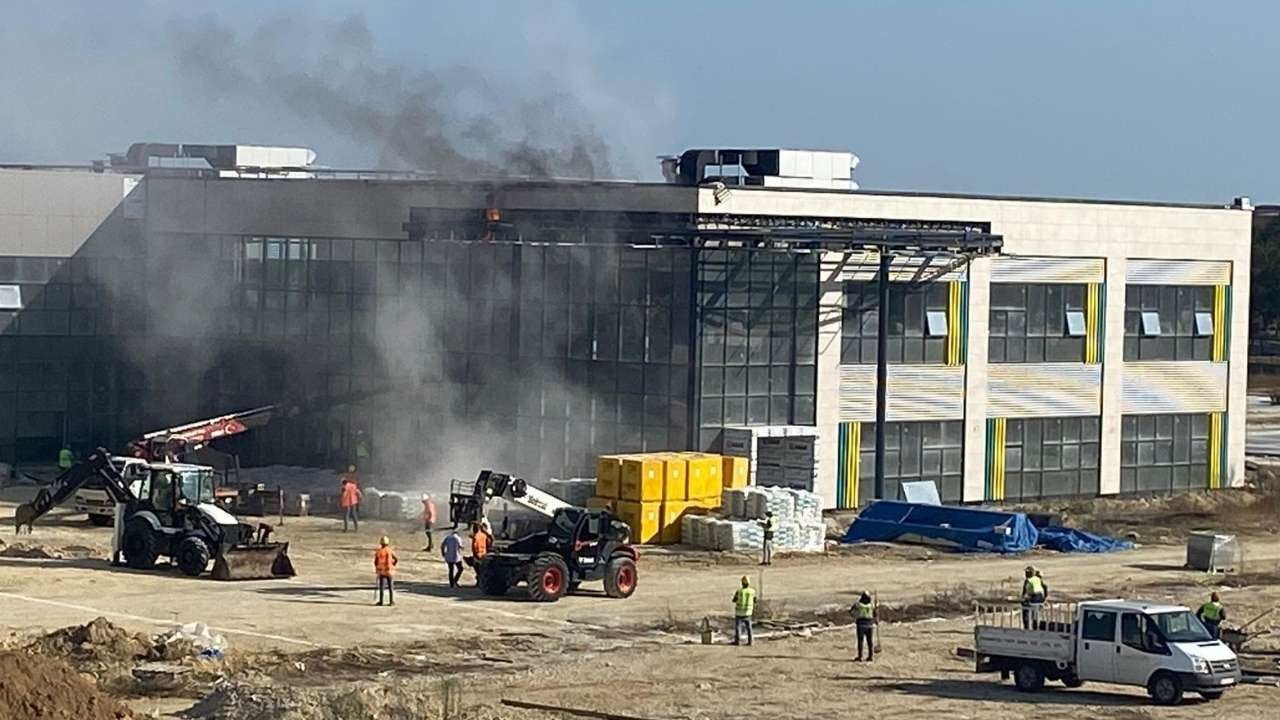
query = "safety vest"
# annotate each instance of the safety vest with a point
(384, 562)
(864, 611)
(350, 493)
(1211, 611)
(362, 449)
(1033, 586)
(480, 543)
(744, 602)
(65, 459)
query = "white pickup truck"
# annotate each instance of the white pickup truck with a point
(1163, 648)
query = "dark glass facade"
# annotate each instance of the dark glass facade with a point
(1164, 453)
(758, 340)
(911, 338)
(1051, 457)
(451, 354)
(914, 451)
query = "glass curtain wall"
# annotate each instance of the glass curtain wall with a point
(758, 345)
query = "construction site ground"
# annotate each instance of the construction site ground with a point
(298, 646)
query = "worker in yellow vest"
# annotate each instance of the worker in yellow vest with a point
(864, 617)
(1032, 597)
(66, 459)
(744, 606)
(1212, 614)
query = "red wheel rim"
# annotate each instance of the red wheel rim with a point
(552, 579)
(626, 578)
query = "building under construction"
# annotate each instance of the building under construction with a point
(1032, 347)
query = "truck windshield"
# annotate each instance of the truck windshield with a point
(1180, 626)
(197, 485)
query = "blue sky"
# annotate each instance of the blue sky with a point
(1145, 100)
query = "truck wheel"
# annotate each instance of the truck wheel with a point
(548, 578)
(1211, 695)
(1165, 688)
(193, 556)
(1072, 681)
(620, 577)
(101, 520)
(1029, 677)
(494, 581)
(139, 545)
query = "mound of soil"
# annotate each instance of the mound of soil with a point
(42, 688)
(100, 642)
(31, 552)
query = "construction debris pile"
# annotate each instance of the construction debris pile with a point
(739, 527)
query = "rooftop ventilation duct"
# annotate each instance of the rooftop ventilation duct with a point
(824, 169)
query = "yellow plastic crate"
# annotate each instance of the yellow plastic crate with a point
(704, 475)
(602, 503)
(736, 472)
(609, 476)
(675, 483)
(704, 504)
(641, 478)
(672, 511)
(643, 518)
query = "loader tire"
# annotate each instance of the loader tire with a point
(548, 578)
(494, 582)
(620, 577)
(193, 556)
(139, 545)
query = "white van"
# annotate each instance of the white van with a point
(1163, 648)
(93, 500)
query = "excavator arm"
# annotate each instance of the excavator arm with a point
(468, 500)
(97, 465)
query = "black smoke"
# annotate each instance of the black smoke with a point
(450, 121)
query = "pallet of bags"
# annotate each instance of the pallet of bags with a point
(808, 506)
(734, 502)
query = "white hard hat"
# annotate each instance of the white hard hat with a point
(426, 496)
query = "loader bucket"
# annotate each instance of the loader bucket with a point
(254, 562)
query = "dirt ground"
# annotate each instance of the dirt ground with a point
(300, 648)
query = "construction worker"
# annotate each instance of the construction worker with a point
(1033, 593)
(384, 564)
(481, 542)
(351, 498)
(1212, 614)
(768, 525)
(66, 459)
(428, 519)
(451, 549)
(744, 606)
(864, 617)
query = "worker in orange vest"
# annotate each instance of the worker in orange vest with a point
(428, 519)
(351, 498)
(481, 543)
(384, 564)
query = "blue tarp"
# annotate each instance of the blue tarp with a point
(963, 529)
(1065, 539)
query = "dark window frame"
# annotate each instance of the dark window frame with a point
(1164, 453)
(1043, 450)
(909, 341)
(1177, 307)
(919, 450)
(1028, 323)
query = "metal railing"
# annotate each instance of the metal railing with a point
(1053, 617)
